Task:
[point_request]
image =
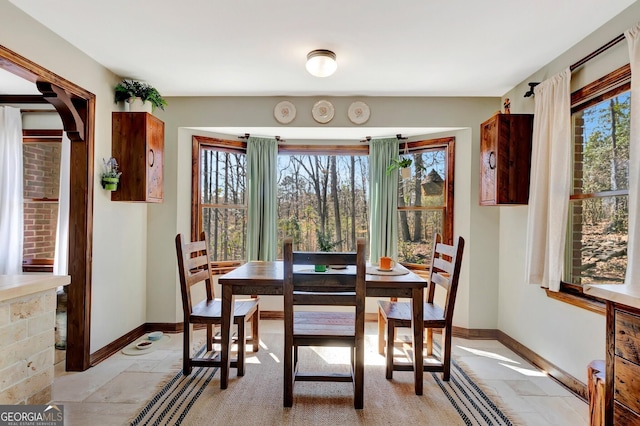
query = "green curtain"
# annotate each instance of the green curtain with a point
(262, 168)
(383, 193)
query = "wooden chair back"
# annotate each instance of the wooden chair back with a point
(337, 287)
(194, 267)
(446, 262)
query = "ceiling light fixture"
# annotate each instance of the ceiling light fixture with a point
(321, 63)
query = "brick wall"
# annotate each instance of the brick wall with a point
(41, 180)
(576, 207)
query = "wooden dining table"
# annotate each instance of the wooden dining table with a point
(266, 278)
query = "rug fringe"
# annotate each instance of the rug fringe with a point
(491, 393)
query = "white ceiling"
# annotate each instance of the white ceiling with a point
(259, 47)
(383, 48)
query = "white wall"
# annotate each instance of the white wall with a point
(479, 226)
(119, 229)
(134, 266)
(526, 313)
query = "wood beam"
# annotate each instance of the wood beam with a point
(61, 100)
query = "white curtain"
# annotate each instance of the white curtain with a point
(11, 194)
(61, 256)
(633, 248)
(551, 166)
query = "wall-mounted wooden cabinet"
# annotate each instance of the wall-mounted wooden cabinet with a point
(138, 146)
(505, 159)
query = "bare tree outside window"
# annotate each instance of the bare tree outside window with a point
(322, 198)
(598, 223)
(422, 202)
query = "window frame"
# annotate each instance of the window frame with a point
(49, 137)
(224, 145)
(606, 87)
(240, 147)
(448, 143)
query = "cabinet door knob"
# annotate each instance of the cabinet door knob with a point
(492, 160)
(152, 158)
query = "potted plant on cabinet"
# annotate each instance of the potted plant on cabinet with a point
(110, 174)
(402, 163)
(130, 90)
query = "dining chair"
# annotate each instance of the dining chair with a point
(194, 267)
(445, 273)
(302, 287)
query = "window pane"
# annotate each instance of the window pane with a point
(226, 230)
(421, 204)
(222, 177)
(426, 186)
(598, 240)
(41, 164)
(319, 194)
(416, 228)
(40, 223)
(222, 183)
(602, 146)
(41, 179)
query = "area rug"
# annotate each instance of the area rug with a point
(256, 398)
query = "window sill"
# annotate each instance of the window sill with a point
(222, 267)
(573, 295)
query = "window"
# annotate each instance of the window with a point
(425, 200)
(219, 191)
(41, 180)
(596, 250)
(322, 198)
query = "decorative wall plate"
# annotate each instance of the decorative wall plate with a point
(284, 112)
(359, 112)
(323, 111)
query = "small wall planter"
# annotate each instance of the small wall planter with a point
(110, 184)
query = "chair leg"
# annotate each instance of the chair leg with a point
(242, 346)
(391, 337)
(358, 379)
(429, 338)
(209, 337)
(287, 394)
(446, 353)
(186, 349)
(381, 324)
(255, 325)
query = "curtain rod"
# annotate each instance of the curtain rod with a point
(596, 52)
(246, 136)
(582, 61)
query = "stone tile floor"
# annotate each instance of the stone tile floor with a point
(113, 391)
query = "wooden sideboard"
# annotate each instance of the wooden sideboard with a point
(622, 390)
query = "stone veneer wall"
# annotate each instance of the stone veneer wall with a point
(26, 348)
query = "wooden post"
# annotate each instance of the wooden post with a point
(596, 377)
